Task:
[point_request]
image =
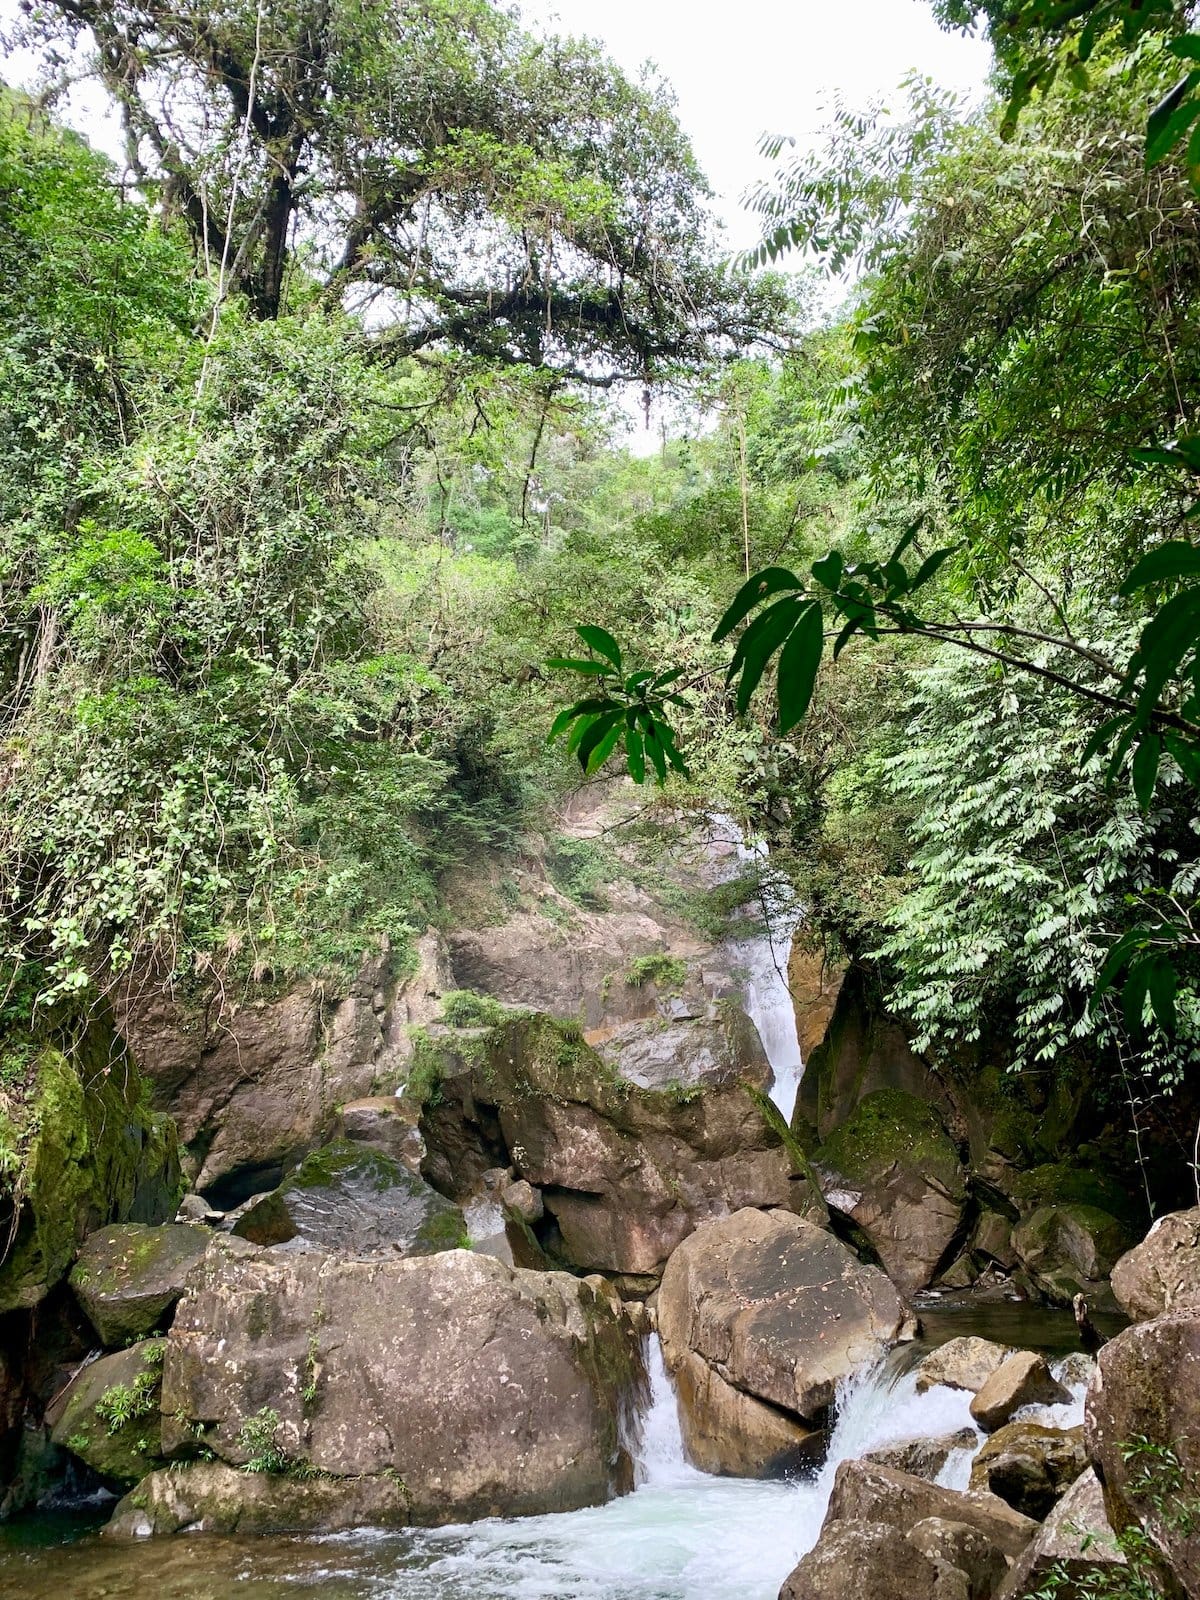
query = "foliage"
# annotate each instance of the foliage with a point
(668, 973)
(123, 1403)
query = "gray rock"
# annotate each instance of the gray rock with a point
(485, 1390)
(852, 1560)
(866, 1493)
(963, 1363)
(387, 1123)
(1163, 1272)
(108, 1415)
(358, 1202)
(963, 1548)
(129, 1276)
(769, 1306)
(1075, 1536)
(1023, 1379)
(1069, 1248)
(924, 1458)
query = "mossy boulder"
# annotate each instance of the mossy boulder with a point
(129, 1275)
(109, 1415)
(356, 1201)
(1059, 1183)
(894, 1171)
(87, 1150)
(1070, 1249)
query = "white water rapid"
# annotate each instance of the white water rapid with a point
(681, 1534)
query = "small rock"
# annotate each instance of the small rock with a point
(129, 1276)
(523, 1200)
(195, 1208)
(866, 1493)
(924, 1458)
(963, 1363)
(1029, 1466)
(1023, 1379)
(388, 1124)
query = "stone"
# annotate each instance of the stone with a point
(1075, 1537)
(778, 1310)
(729, 1432)
(195, 1208)
(1069, 1248)
(924, 1458)
(963, 1548)
(866, 1493)
(211, 1497)
(718, 1047)
(993, 1240)
(1146, 1388)
(1029, 1466)
(522, 1200)
(1163, 1272)
(893, 1170)
(856, 1559)
(358, 1202)
(625, 1172)
(108, 1415)
(128, 1276)
(1023, 1379)
(962, 1363)
(385, 1122)
(254, 1082)
(488, 1391)
(93, 1154)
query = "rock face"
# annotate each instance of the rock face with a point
(255, 1087)
(854, 1559)
(129, 1276)
(482, 1390)
(385, 1122)
(1029, 1466)
(1145, 1387)
(767, 1306)
(1024, 1379)
(894, 1171)
(109, 1415)
(626, 1172)
(1076, 1537)
(356, 1202)
(866, 1493)
(963, 1363)
(94, 1155)
(1163, 1272)
(1069, 1249)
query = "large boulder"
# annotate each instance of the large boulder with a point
(109, 1414)
(354, 1201)
(484, 1390)
(1075, 1540)
(893, 1170)
(772, 1307)
(1023, 1379)
(855, 1559)
(91, 1153)
(626, 1171)
(1143, 1435)
(128, 1276)
(1069, 1249)
(963, 1363)
(254, 1082)
(863, 1492)
(1029, 1466)
(1163, 1272)
(385, 1122)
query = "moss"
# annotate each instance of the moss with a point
(1061, 1184)
(444, 1230)
(463, 1009)
(890, 1127)
(666, 972)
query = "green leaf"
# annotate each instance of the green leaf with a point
(595, 669)
(1186, 754)
(759, 643)
(1163, 985)
(635, 755)
(1175, 559)
(596, 736)
(829, 569)
(605, 748)
(1186, 47)
(579, 730)
(564, 719)
(656, 752)
(666, 738)
(602, 642)
(1103, 735)
(799, 661)
(1170, 120)
(1145, 769)
(930, 567)
(757, 587)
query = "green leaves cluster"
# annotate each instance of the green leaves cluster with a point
(630, 710)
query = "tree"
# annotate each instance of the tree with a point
(428, 162)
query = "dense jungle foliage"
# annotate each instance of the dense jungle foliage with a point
(309, 462)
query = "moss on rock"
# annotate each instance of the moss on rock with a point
(892, 1128)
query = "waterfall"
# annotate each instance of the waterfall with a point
(657, 1447)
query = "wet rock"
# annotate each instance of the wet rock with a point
(488, 1391)
(778, 1310)
(387, 1123)
(1145, 1389)
(1029, 1466)
(924, 1458)
(1023, 1379)
(866, 1493)
(625, 1172)
(355, 1201)
(211, 1497)
(730, 1432)
(93, 1154)
(963, 1363)
(109, 1414)
(855, 1559)
(964, 1549)
(129, 1276)
(1163, 1272)
(1069, 1249)
(1076, 1538)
